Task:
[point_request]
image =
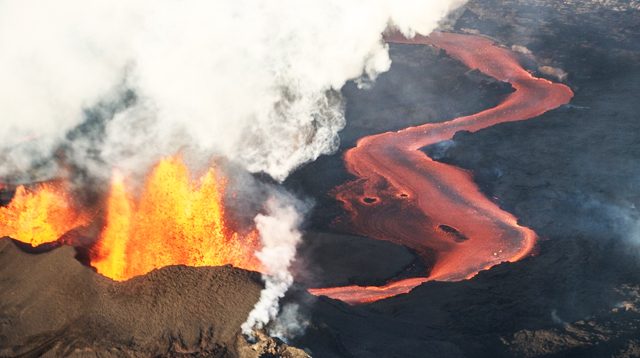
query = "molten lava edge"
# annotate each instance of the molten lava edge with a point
(173, 221)
(403, 196)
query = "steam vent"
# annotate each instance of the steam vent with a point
(341, 179)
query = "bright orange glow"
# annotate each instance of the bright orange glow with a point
(175, 221)
(40, 214)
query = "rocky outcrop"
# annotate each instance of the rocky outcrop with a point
(50, 304)
(267, 347)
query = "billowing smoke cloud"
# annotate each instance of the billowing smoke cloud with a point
(257, 82)
(279, 236)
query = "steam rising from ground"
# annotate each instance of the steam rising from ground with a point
(123, 83)
(279, 236)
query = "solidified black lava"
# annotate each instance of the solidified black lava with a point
(5, 196)
(457, 235)
(327, 260)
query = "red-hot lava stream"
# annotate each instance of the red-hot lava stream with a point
(403, 196)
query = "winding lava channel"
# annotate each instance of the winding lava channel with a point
(403, 196)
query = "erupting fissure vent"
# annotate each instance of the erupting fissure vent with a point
(174, 220)
(40, 214)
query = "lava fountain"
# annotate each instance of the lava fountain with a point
(403, 196)
(174, 220)
(40, 214)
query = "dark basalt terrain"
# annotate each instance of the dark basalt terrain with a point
(320, 263)
(571, 175)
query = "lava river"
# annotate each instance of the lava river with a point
(403, 196)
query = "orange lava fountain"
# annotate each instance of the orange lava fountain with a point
(436, 209)
(174, 221)
(40, 214)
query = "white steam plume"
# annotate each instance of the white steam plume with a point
(279, 236)
(255, 81)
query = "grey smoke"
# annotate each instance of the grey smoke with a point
(279, 236)
(289, 323)
(557, 320)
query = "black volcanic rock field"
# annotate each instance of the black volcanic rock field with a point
(572, 175)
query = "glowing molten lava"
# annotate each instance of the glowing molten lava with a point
(436, 209)
(40, 214)
(174, 221)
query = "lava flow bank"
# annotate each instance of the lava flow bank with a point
(403, 196)
(173, 220)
